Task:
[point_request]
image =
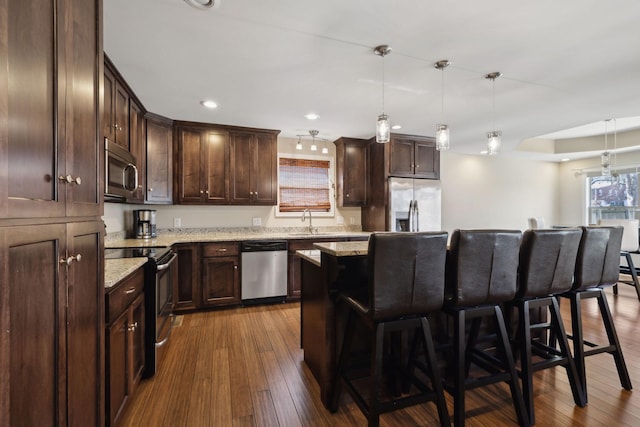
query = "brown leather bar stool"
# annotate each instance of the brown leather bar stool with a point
(597, 266)
(405, 282)
(481, 274)
(547, 263)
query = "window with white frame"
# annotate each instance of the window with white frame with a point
(305, 182)
(613, 196)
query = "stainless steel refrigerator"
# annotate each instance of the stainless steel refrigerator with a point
(414, 205)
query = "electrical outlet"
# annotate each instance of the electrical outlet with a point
(177, 222)
(352, 220)
(340, 220)
(257, 221)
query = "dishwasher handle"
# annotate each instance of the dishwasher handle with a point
(264, 245)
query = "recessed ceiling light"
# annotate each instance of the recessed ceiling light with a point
(311, 116)
(484, 152)
(209, 104)
(396, 127)
(565, 159)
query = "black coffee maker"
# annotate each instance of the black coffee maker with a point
(144, 224)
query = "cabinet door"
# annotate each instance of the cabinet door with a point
(122, 115)
(220, 281)
(85, 323)
(117, 351)
(109, 106)
(264, 179)
(216, 155)
(159, 162)
(32, 289)
(427, 160)
(186, 295)
(137, 146)
(242, 161)
(354, 174)
(84, 151)
(28, 127)
(136, 342)
(190, 184)
(401, 159)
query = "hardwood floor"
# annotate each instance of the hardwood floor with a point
(244, 367)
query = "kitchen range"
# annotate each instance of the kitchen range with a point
(159, 276)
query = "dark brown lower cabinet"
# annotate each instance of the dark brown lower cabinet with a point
(51, 299)
(124, 343)
(220, 274)
(186, 291)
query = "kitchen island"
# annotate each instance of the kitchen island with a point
(331, 267)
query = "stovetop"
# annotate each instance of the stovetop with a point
(147, 252)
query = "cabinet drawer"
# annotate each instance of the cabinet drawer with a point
(220, 249)
(123, 294)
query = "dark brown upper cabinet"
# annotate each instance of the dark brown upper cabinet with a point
(115, 113)
(159, 160)
(413, 157)
(254, 174)
(351, 171)
(203, 168)
(50, 153)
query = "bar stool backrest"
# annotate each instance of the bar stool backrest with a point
(482, 266)
(406, 273)
(547, 261)
(598, 262)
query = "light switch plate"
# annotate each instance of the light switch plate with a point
(257, 221)
(340, 220)
(177, 222)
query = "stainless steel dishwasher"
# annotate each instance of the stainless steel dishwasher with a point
(263, 270)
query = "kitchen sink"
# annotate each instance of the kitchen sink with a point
(311, 235)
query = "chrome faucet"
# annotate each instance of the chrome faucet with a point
(304, 212)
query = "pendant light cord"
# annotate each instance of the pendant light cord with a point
(442, 111)
(493, 106)
(383, 83)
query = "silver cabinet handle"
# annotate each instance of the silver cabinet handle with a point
(222, 250)
(130, 291)
(70, 259)
(150, 190)
(70, 179)
(132, 327)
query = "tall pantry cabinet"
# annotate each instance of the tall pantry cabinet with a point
(51, 233)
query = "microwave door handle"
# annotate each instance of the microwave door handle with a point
(135, 177)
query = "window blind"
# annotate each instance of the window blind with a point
(304, 184)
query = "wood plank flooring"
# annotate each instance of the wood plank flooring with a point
(244, 367)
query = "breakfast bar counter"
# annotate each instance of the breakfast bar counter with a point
(342, 265)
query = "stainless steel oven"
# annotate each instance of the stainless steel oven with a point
(159, 277)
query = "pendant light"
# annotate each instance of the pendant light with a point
(383, 130)
(494, 137)
(299, 144)
(605, 158)
(313, 134)
(442, 130)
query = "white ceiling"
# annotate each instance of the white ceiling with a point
(268, 63)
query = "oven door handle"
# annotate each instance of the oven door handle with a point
(164, 341)
(168, 263)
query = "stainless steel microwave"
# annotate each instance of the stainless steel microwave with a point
(121, 173)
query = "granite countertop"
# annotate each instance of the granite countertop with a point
(311, 255)
(117, 269)
(168, 239)
(343, 248)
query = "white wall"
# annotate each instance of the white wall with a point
(497, 192)
(477, 192)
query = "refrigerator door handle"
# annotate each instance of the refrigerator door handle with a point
(416, 216)
(410, 215)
